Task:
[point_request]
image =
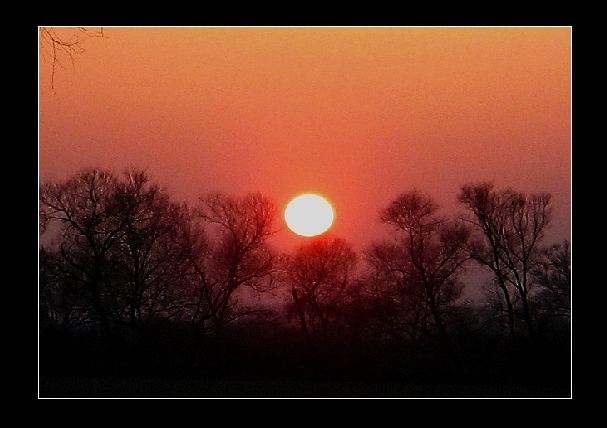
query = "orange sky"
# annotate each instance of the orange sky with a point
(355, 114)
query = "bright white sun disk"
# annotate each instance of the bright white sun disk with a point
(309, 215)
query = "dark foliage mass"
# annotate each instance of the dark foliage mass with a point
(136, 285)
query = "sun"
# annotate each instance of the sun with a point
(309, 215)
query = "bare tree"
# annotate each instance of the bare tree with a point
(553, 275)
(512, 226)
(239, 256)
(150, 260)
(85, 208)
(123, 242)
(425, 258)
(320, 276)
(62, 301)
(399, 304)
(65, 44)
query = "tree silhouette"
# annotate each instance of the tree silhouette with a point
(398, 307)
(149, 261)
(67, 45)
(425, 258)
(320, 275)
(61, 298)
(87, 211)
(553, 276)
(512, 226)
(121, 241)
(164, 282)
(239, 255)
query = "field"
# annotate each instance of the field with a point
(197, 388)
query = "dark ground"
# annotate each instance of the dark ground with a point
(276, 362)
(195, 388)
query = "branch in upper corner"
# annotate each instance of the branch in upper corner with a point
(69, 44)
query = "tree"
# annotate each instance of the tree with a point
(511, 225)
(424, 259)
(87, 211)
(553, 276)
(319, 274)
(63, 44)
(150, 260)
(399, 305)
(239, 256)
(61, 300)
(121, 240)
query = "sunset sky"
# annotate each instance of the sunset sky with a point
(358, 115)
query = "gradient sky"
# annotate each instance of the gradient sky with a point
(355, 114)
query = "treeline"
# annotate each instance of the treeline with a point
(132, 279)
